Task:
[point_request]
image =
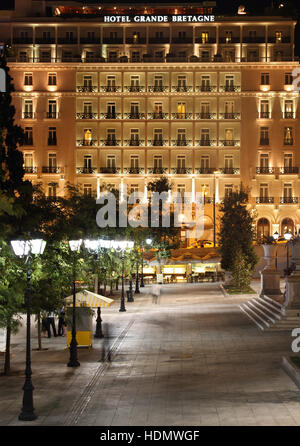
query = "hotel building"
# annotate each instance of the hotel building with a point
(108, 98)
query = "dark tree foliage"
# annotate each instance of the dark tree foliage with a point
(236, 232)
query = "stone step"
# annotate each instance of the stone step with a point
(271, 311)
(252, 314)
(259, 309)
(278, 310)
(272, 302)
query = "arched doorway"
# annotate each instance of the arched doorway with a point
(287, 225)
(263, 229)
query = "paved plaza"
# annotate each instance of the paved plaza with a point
(191, 359)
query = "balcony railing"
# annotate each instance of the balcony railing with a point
(288, 200)
(111, 170)
(160, 40)
(181, 170)
(207, 88)
(110, 115)
(205, 170)
(209, 40)
(134, 170)
(182, 88)
(182, 115)
(283, 39)
(28, 115)
(264, 141)
(51, 169)
(229, 40)
(52, 141)
(136, 40)
(264, 200)
(229, 142)
(113, 40)
(206, 115)
(134, 142)
(110, 88)
(85, 115)
(93, 40)
(230, 115)
(45, 40)
(86, 170)
(230, 170)
(288, 141)
(88, 143)
(134, 88)
(264, 115)
(158, 115)
(24, 40)
(288, 170)
(87, 88)
(289, 115)
(182, 40)
(265, 170)
(30, 169)
(110, 142)
(157, 88)
(51, 115)
(206, 142)
(230, 88)
(181, 142)
(134, 115)
(158, 142)
(253, 39)
(157, 170)
(66, 40)
(28, 141)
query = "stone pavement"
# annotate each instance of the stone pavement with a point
(192, 359)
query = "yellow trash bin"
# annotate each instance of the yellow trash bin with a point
(84, 324)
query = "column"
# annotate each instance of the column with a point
(98, 188)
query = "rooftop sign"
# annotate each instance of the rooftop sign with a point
(149, 18)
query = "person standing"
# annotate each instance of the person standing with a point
(61, 322)
(51, 323)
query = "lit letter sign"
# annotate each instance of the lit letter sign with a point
(158, 18)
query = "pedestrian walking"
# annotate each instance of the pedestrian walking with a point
(105, 354)
(61, 322)
(155, 292)
(51, 323)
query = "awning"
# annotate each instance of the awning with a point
(88, 299)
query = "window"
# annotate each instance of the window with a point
(264, 109)
(28, 79)
(278, 36)
(69, 35)
(181, 189)
(158, 82)
(158, 137)
(111, 161)
(229, 107)
(88, 109)
(264, 161)
(288, 136)
(181, 81)
(52, 109)
(28, 140)
(204, 37)
(228, 137)
(52, 79)
(264, 190)
(111, 83)
(87, 190)
(87, 162)
(229, 82)
(205, 162)
(181, 136)
(157, 161)
(228, 189)
(111, 136)
(87, 81)
(28, 109)
(135, 56)
(87, 137)
(134, 81)
(205, 83)
(289, 109)
(205, 55)
(28, 162)
(288, 160)
(181, 34)
(264, 135)
(228, 161)
(52, 190)
(287, 190)
(181, 162)
(134, 188)
(288, 79)
(228, 36)
(181, 108)
(111, 110)
(52, 162)
(205, 136)
(52, 141)
(45, 56)
(135, 36)
(134, 110)
(134, 161)
(134, 136)
(265, 79)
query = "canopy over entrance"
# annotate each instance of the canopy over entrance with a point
(88, 299)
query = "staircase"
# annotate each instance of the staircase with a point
(268, 314)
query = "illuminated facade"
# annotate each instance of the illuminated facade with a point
(208, 102)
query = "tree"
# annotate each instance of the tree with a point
(236, 231)
(241, 272)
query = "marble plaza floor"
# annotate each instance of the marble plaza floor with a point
(191, 359)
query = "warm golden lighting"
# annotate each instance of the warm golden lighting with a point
(265, 87)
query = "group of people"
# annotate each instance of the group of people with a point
(49, 322)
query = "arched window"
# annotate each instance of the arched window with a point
(263, 229)
(287, 225)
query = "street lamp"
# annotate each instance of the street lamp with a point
(288, 236)
(26, 248)
(148, 242)
(73, 361)
(275, 237)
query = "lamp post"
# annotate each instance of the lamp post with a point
(73, 361)
(148, 242)
(275, 237)
(26, 248)
(288, 236)
(214, 207)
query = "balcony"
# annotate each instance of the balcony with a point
(45, 40)
(23, 40)
(206, 115)
(182, 88)
(181, 142)
(283, 39)
(182, 40)
(206, 142)
(86, 142)
(134, 142)
(230, 88)
(28, 141)
(229, 142)
(110, 88)
(134, 88)
(52, 141)
(113, 40)
(264, 115)
(229, 40)
(86, 170)
(257, 39)
(206, 88)
(84, 115)
(157, 88)
(230, 115)
(134, 170)
(110, 142)
(28, 115)
(110, 170)
(160, 40)
(264, 142)
(51, 115)
(93, 40)
(158, 142)
(265, 170)
(288, 141)
(182, 115)
(66, 41)
(264, 200)
(135, 40)
(51, 169)
(157, 170)
(205, 41)
(30, 169)
(134, 115)
(289, 200)
(158, 115)
(181, 170)
(87, 88)
(288, 170)
(289, 115)
(230, 170)
(110, 115)
(205, 170)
